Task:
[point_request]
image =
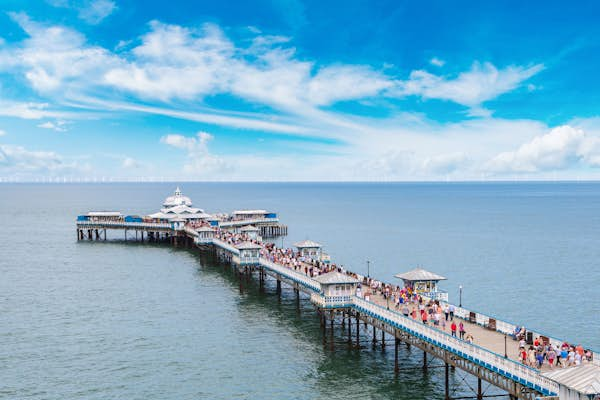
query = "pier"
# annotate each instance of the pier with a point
(362, 307)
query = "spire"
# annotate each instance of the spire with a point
(177, 191)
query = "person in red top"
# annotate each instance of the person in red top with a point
(523, 356)
(424, 317)
(536, 342)
(453, 328)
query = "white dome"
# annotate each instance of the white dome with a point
(177, 200)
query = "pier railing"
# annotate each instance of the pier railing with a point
(330, 301)
(225, 246)
(123, 224)
(244, 222)
(289, 273)
(486, 358)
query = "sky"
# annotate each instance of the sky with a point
(289, 90)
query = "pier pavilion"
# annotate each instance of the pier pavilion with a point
(309, 249)
(491, 357)
(424, 283)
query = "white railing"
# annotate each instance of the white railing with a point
(225, 246)
(248, 260)
(203, 240)
(123, 224)
(291, 274)
(190, 231)
(244, 222)
(488, 359)
(330, 301)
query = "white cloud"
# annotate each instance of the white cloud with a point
(437, 62)
(441, 164)
(200, 162)
(560, 148)
(97, 10)
(58, 126)
(2, 132)
(91, 11)
(56, 57)
(19, 160)
(481, 83)
(131, 163)
(28, 110)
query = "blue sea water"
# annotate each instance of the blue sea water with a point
(98, 320)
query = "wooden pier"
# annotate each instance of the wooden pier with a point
(492, 357)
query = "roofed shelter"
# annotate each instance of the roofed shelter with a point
(309, 249)
(424, 283)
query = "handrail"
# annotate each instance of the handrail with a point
(125, 224)
(243, 222)
(484, 357)
(291, 274)
(226, 246)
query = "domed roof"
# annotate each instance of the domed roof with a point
(178, 199)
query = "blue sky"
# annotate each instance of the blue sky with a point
(291, 90)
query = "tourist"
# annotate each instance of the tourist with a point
(551, 355)
(451, 310)
(443, 323)
(424, 317)
(564, 357)
(469, 338)
(446, 311)
(531, 356)
(523, 355)
(539, 357)
(453, 328)
(461, 330)
(405, 310)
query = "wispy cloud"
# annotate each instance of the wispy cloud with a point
(19, 160)
(437, 62)
(58, 125)
(91, 11)
(483, 82)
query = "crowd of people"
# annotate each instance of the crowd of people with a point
(542, 353)
(412, 305)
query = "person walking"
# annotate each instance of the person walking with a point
(461, 330)
(446, 311)
(453, 328)
(451, 310)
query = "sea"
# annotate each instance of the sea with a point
(125, 320)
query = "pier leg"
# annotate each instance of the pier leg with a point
(278, 287)
(374, 336)
(349, 330)
(396, 366)
(446, 382)
(479, 393)
(105, 234)
(382, 339)
(424, 361)
(97, 234)
(357, 329)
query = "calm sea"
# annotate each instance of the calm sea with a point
(117, 320)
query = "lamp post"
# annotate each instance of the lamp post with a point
(460, 295)
(368, 269)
